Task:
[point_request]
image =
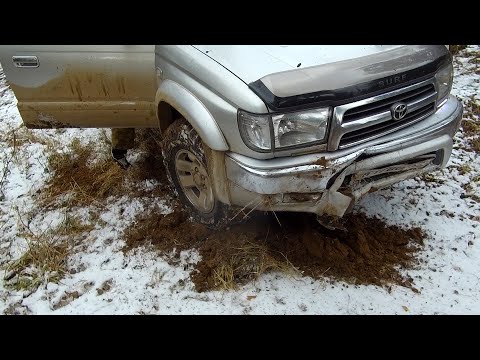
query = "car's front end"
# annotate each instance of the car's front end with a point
(337, 131)
(330, 182)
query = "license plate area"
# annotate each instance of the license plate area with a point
(362, 177)
(376, 174)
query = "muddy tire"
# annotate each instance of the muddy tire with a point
(186, 166)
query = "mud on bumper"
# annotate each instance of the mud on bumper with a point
(330, 183)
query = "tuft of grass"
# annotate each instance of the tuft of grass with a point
(470, 124)
(21, 135)
(248, 263)
(470, 192)
(224, 277)
(430, 178)
(474, 107)
(464, 169)
(73, 226)
(86, 173)
(475, 144)
(470, 127)
(45, 258)
(82, 175)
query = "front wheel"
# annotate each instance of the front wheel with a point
(184, 159)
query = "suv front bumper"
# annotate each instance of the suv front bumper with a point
(331, 182)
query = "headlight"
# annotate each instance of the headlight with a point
(288, 130)
(444, 79)
(300, 127)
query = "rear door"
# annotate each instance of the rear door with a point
(82, 85)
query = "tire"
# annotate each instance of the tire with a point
(185, 163)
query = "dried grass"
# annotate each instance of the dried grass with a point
(13, 141)
(475, 144)
(248, 263)
(430, 178)
(470, 191)
(471, 124)
(82, 175)
(470, 127)
(464, 169)
(45, 258)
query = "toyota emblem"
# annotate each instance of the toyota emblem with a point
(399, 110)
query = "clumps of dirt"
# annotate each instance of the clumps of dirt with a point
(322, 162)
(370, 252)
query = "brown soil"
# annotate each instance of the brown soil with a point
(166, 232)
(371, 252)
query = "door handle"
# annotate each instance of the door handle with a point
(25, 61)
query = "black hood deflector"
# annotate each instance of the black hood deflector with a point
(367, 76)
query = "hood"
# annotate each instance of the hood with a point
(252, 62)
(285, 76)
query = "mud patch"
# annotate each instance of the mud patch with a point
(322, 161)
(169, 233)
(370, 252)
(150, 167)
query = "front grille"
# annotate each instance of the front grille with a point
(368, 119)
(386, 127)
(384, 105)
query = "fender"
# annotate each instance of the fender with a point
(194, 112)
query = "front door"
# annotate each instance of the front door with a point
(82, 85)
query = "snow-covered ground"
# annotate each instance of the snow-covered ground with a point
(105, 280)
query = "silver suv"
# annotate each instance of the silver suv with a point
(279, 128)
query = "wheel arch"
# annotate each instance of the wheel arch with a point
(172, 97)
